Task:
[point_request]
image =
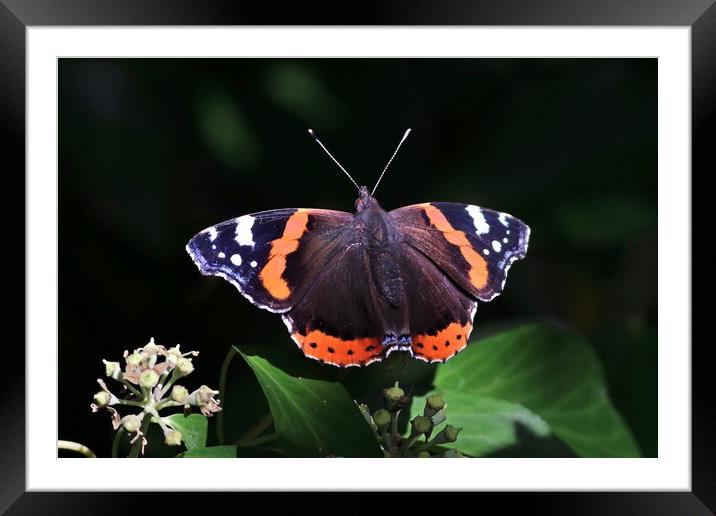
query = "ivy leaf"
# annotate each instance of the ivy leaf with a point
(314, 416)
(228, 452)
(492, 427)
(551, 373)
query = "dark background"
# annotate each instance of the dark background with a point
(153, 151)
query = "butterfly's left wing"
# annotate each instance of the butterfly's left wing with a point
(307, 264)
(272, 257)
(473, 246)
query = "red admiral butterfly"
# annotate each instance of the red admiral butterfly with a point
(352, 288)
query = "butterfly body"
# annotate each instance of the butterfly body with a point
(353, 288)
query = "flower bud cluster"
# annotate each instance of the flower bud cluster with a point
(384, 422)
(148, 382)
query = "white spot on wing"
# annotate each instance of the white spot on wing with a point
(253, 263)
(503, 219)
(481, 225)
(213, 233)
(213, 246)
(244, 235)
(235, 259)
(496, 246)
(504, 240)
(222, 255)
(485, 252)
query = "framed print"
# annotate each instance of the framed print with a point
(174, 173)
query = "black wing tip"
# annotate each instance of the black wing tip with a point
(197, 257)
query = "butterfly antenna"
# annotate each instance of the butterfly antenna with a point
(310, 131)
(390, 160)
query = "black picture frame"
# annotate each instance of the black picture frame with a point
(17, 15)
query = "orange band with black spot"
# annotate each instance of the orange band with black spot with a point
(478, 265)
(336, 351)
(446, 343)
(272, 273)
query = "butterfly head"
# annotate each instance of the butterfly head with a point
(365, 200)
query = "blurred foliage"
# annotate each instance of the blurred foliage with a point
(152, 151)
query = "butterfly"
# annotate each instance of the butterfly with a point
(354, 287)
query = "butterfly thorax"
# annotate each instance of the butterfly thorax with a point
(380, 240)
(374, 223)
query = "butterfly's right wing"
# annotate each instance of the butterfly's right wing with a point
(274, 256)
(474, 246)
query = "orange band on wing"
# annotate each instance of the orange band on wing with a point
(478, 265)
(444, 345)
(336, 351)
(272, 273)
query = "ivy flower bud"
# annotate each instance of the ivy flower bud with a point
(131, 423)
(174, 354)
(433, 404)
(423, 455)
(203, 398)
(447, 435)
(204, 394)
(451, 433)
(112, 369)
(395, 398)
(422, 425)
(184, 366)
(134, 359)
(102, 398)
(151, 359)
(393, 394)
(180, 394)
(172, 438)
(148, 378)
(381, 418)
(150, 347)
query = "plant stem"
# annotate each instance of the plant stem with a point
(159, 420)
(260, 440)
(394, 422)
(173, 378)
(405, 447)
(253, 432)
(131, 403)
(76, 447)
(137, 446)
(115, 443)
(222, 389)
(388, 443)
(131, 388)
(168, 402)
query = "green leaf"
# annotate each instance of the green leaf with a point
(492, 427)
(314, 416)
(550, 372)
(193, 429)
(230, 452)
(629, 353)
(242, 400)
